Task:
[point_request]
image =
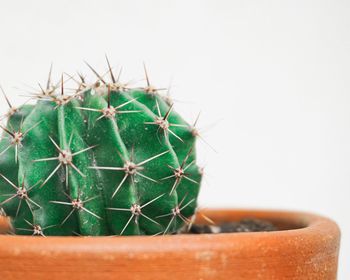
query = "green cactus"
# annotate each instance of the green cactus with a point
(103, 160)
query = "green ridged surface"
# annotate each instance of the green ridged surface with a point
(101, 147)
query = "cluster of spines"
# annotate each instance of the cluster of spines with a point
(65, 156)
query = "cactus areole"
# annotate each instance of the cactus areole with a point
(104, 159)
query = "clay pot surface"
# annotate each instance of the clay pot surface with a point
(306, 247)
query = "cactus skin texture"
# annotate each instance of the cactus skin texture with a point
(104, 160)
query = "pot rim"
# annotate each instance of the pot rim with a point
(292, 223)
(308, 251)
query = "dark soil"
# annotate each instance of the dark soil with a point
(244, 225)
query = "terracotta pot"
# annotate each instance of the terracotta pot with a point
(306, 247)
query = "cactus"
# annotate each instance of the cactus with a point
(105, 159)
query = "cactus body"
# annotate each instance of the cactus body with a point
(103, 161)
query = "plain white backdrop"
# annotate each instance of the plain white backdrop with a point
(270, 77)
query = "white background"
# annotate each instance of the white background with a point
(271, 79)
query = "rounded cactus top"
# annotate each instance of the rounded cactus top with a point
(102, 159)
